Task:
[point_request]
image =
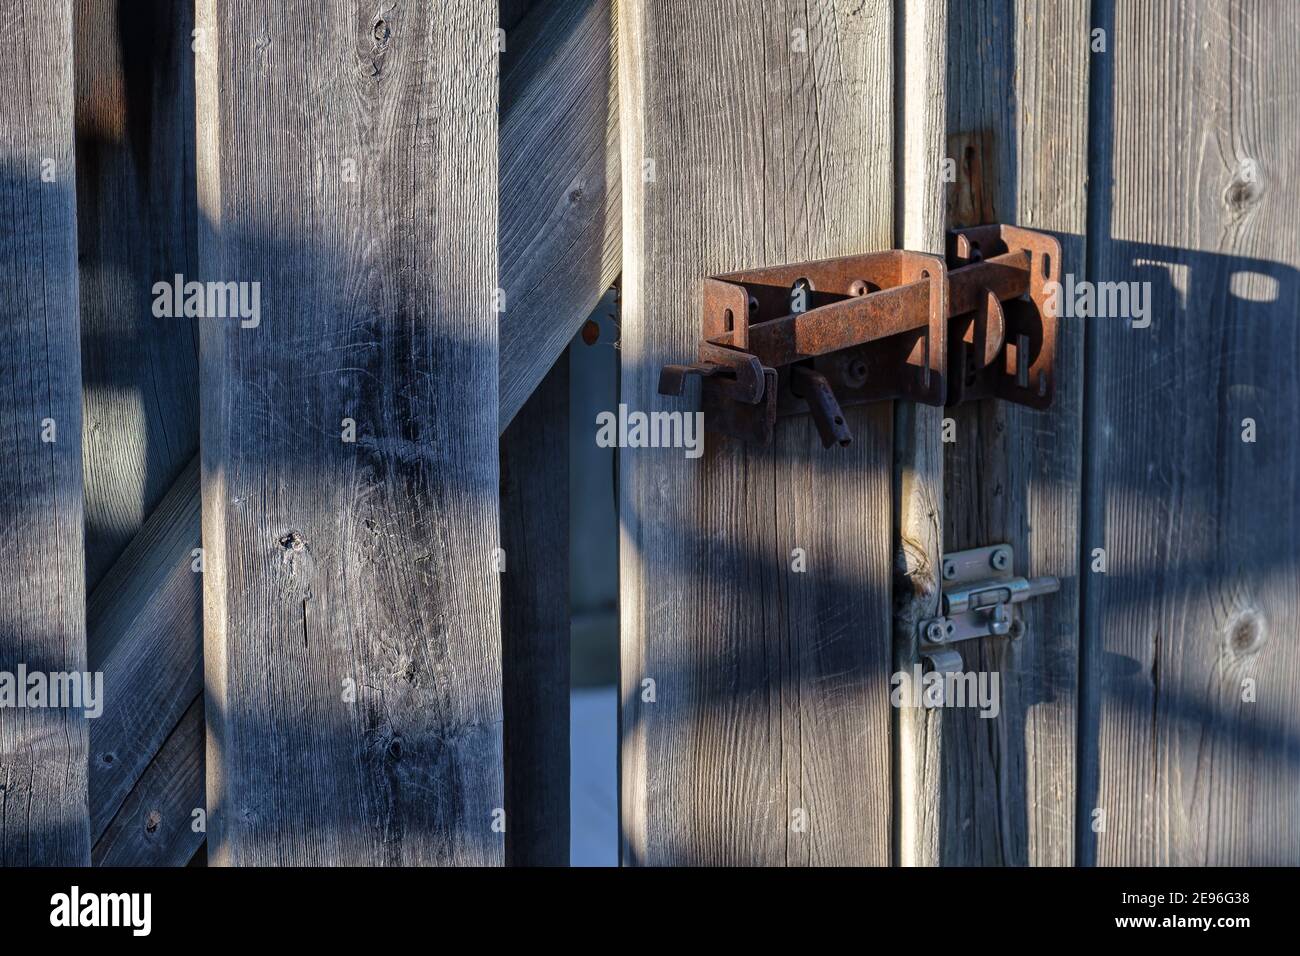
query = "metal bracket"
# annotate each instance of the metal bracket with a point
(813, 337)
(979, 589)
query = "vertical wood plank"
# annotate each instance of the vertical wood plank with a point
(136, 222)
(917, 473)
(142, 604)
(1198, 159)
(535, 624)
(1017, 126)
(352, 622)
(752, 134)
(43, 815)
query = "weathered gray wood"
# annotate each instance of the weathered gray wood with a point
(916, 504)
(535, 624)
(144, 713)
(146, 636)
(155, 824)
(1197, 160)
(136, 221)
(363, 567)
(1017, 80)
(560, 219)
(43, 819)
(769, 687)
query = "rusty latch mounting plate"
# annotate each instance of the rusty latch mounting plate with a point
(816, 336)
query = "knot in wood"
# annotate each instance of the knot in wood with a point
(1247, 634)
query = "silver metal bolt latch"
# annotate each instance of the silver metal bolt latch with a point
(979, 589)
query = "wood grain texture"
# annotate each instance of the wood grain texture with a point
(1195, 191)
(43, 818)
(770, 686)
(560, 216)
(336, 567)
(136, 221)
(145, 623)
(535, 624)
(916, 502)
(1017, 122)
(155, 586)
(155, 824)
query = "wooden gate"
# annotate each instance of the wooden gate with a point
(287, 292)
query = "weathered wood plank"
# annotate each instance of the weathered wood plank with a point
(1017, 114)
(916, 504)
(43, 817)
(339, 568)
(145, 622)
(176, 615)
(155, 824)
(560, 217)
(535, 624)
(136, 222)
(1196, 194)
(767, 740)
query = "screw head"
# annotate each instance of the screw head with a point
(1000, 559)
(935, 632)
(949, 569)
(854, 372)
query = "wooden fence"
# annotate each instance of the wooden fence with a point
(318, 550)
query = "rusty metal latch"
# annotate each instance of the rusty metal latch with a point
(979, 592)
(813, 337)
